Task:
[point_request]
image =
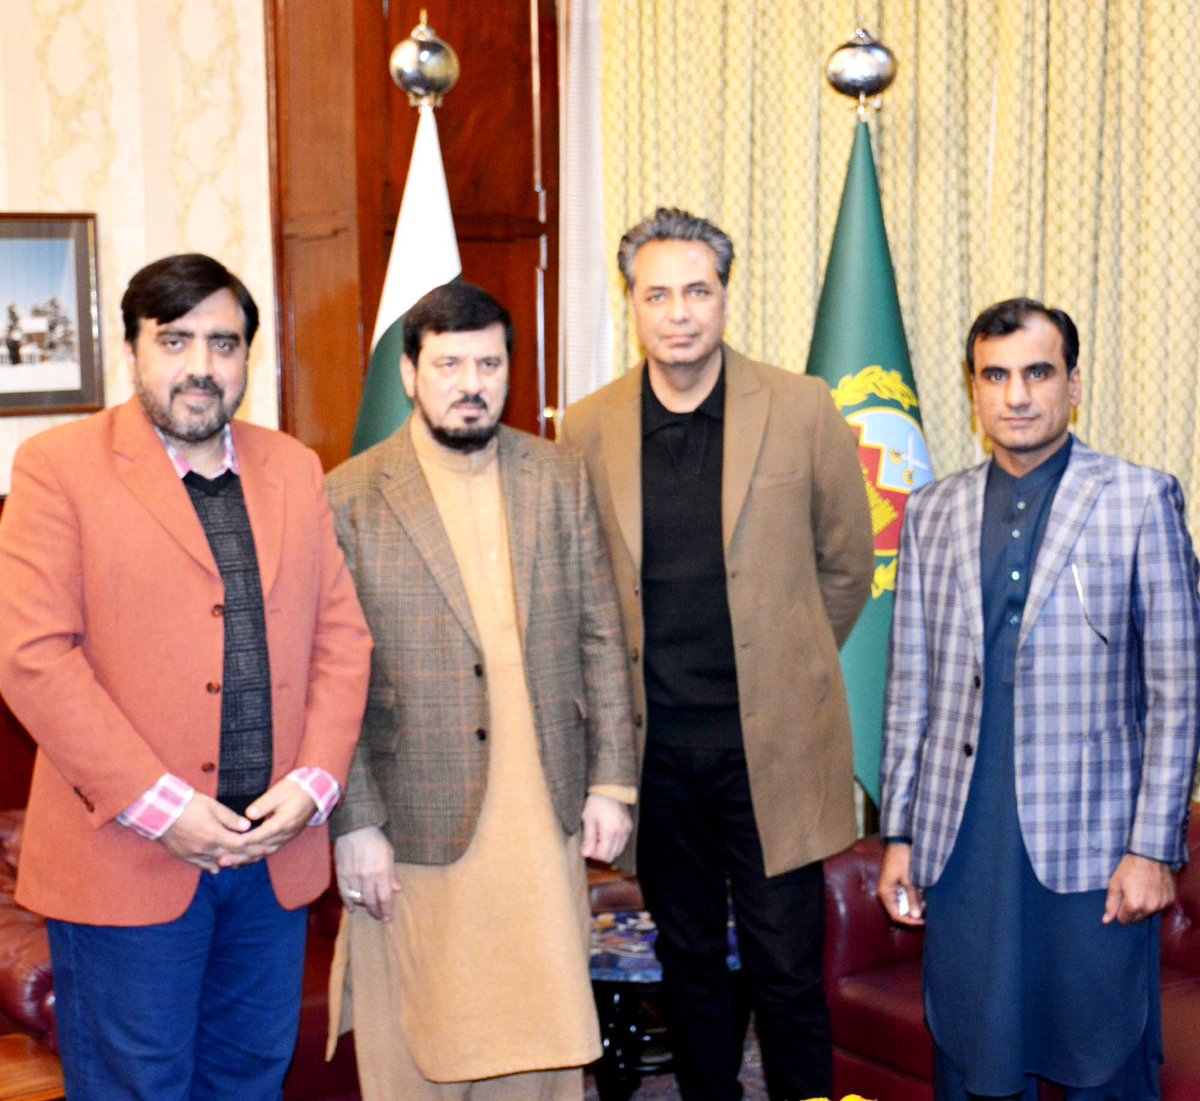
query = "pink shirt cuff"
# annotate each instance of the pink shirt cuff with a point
(155, 812)
(159, 809)
(322, 788)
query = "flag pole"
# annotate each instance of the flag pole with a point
(424, 251)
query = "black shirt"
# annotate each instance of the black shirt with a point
(691, 681)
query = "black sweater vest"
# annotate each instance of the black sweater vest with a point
(246, 731)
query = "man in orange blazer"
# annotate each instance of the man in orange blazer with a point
(179, 633)
(737, 524)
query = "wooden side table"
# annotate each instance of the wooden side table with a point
(28, 1072)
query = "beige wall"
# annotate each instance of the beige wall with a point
(152, 115)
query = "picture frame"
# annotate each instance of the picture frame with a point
(49, 315)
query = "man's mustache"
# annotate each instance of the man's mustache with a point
(473, 401)
(205, 383)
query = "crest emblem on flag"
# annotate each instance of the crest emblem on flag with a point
(892, 455)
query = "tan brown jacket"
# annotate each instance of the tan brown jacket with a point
(799, 558)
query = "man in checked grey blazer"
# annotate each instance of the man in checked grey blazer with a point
(1041, 735)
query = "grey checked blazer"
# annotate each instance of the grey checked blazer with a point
(421, 766)
(1107, 690)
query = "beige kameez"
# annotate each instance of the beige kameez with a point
(483, 972)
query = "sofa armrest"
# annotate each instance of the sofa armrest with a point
(26, 979)
(859, 935)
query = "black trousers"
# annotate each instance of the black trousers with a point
(698, 848)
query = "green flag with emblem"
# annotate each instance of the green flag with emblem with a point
(859, 349)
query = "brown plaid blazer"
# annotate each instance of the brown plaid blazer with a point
(422, 763)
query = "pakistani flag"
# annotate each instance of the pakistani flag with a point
(858, 347)
(424, 256)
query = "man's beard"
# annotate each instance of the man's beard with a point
(188, 431)
(472, 438)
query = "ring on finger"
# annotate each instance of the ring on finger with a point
(354, 896)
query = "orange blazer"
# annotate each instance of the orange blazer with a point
(111, 649)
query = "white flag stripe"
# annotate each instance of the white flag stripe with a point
(424, 250)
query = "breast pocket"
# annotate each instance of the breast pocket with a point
(1099, 589)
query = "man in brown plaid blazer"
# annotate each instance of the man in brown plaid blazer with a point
(497, 747)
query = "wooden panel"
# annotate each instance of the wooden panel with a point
(511, 271)
(486, 122)
(314, 145)
(323, 329)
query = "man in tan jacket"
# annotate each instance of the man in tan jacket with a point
(737, 524)
(497, 749)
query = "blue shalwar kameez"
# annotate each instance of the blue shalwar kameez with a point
(1020, 981)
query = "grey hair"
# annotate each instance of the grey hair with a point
(669, 223)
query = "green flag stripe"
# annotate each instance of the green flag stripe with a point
(385, 405)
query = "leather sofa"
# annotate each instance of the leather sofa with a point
(27, 987)
(882, 1048)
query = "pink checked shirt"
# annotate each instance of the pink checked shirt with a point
(158, 809)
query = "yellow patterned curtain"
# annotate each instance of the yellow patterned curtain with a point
(1039, 148)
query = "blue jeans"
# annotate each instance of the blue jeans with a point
(202, 1008)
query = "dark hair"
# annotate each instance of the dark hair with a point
(669, 223)
(454, 308)
(175, 285)
(1010, 315)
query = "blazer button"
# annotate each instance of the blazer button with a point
(208, 766)
(478, 669)
(481, 734)
(213, 687)
(218, 610)
(968, 750)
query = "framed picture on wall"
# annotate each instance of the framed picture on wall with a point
(49, 315)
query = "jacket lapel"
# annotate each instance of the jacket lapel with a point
(143, 464)
(263, 490)
(407, 494)
(747, 402)
(621, 450)
(1081, 483)
(519, 482)
(966, 523)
